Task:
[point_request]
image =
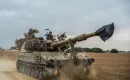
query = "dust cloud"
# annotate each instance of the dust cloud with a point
(72, 72)
(8, 67)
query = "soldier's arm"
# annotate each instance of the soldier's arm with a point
(47, 37)
(33, 35)
(51, 36)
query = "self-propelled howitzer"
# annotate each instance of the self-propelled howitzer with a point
(46, 58)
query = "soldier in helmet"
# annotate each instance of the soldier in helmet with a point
(49, 36)
(31, 33)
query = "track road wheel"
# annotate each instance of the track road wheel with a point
(40, 74)
(29, 71)
(22, 68)
(26, 70)
(36, 72)
(33, 72)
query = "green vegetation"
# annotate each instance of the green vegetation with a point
(97, 50)
(114, 51)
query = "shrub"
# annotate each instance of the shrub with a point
(87, 50)
(98, 50)
(114, 51)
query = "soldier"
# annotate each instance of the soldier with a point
(31, 33)
(49, 36)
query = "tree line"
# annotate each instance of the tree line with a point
(97, 50)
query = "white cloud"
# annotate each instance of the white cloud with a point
(7, 13)
(122, 35)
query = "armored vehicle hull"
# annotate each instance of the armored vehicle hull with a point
(49, 64)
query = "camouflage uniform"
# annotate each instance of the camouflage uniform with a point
(49, 36)
(31, 33)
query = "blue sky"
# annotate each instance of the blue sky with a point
(73, 16)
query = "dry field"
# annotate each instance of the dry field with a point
(107, 66)
(112, 66)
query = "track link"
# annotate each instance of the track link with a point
(34, 70)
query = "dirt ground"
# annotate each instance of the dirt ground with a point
(107, 66)
(8, 67)
(111, 66)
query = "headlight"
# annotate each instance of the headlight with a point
(52, 72)
(55, 73)
(85, 69)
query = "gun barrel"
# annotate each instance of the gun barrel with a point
(82, 37)
(75, 39)
(104, 32)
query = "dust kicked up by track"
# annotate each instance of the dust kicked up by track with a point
(8, 67)
(72, 72)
